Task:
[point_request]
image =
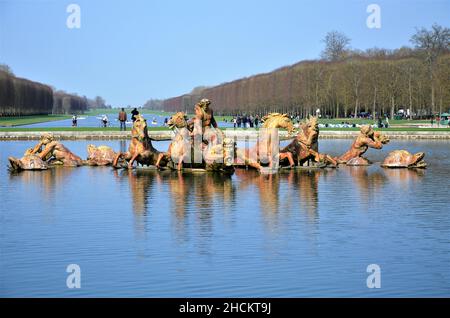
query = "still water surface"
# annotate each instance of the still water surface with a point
(147, 233)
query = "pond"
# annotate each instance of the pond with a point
(169, 234)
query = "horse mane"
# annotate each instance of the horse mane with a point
(277, 120)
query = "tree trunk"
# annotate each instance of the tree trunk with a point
(374, 103)
(337, 109)
(392, 107)
(433, 109)
(410, 96)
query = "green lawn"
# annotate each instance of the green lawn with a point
(27, 120)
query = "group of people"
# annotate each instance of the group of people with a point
(246, 121)
(123, 117)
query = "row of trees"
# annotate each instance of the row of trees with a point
(20, 97)
(64, 103)
(344, 82)
(97, 103)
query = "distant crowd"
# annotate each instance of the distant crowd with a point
(255, 120)
(246, 121)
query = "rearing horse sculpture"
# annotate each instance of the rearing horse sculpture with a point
(305, 146)
(215, 157)
(262, 150)
(141, 149)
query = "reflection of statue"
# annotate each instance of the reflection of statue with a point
(140, 184)
(368, 182)
(141, 149)
(197, 196)
(305, 146)
(367, 138)
(100, 156)
(404, 177)
(307, 183)
(55, 152)
(404, 159)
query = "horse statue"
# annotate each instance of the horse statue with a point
(216, 156)
(179, 148)
(277, 120)
(305, 146)
(141, 149)
(261, 153)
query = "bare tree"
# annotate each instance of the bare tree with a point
(6, 68)
(432, 43)
(336, 45)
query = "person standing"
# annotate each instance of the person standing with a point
(234, 122)
(256, 121)
(244, 121)
(134, 113)
(105, 121)
(74, 120)
(123, 119)
(239, 121)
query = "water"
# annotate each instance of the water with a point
(147, 233)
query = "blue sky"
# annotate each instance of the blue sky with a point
(130, 51)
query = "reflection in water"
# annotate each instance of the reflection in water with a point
(306, 184)
(198, 196)
(141, 184)
(279, 194)
(267, 187)
(123, 145)
(404, 177)
(163, 234)
(195, 195)
(48, 179)
(46, 182)
(367, 181)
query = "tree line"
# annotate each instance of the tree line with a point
(21, 97)
(344, 82)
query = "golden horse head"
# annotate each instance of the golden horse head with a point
(277, 120)
(139, 130)
(179, 120)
